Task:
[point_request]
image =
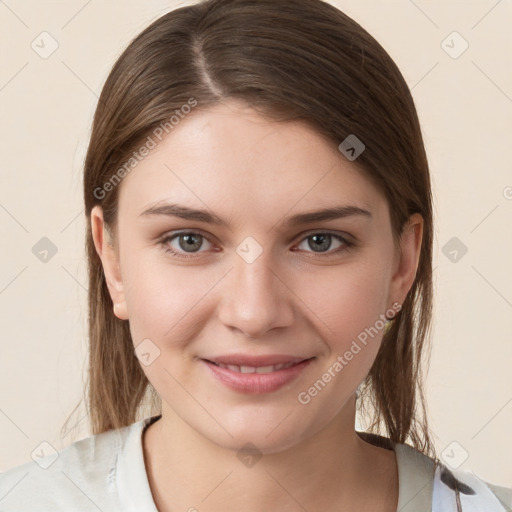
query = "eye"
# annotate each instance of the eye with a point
(321, 242)
(187, 242)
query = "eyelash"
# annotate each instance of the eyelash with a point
(164, 243)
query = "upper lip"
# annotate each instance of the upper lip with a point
(256, 361)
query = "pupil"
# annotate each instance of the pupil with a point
(189, 244)
(324, 238)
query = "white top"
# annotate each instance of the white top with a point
(106, 472)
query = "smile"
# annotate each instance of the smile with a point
(256, 379)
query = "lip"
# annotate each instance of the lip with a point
(257, 383)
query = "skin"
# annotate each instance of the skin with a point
(254, 173)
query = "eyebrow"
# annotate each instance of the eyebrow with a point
(184, 212)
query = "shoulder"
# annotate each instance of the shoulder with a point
(471, 491)
(78, 477)
(427, 484)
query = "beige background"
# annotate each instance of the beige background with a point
(465, 107)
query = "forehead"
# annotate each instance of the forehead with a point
(230, 157)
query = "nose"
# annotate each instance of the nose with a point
(256, 297)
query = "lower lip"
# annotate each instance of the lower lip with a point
(257, 382)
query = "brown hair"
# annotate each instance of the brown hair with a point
(299, 60)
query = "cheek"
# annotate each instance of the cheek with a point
(165, 301)
(349, 306)
(347, 299)
(168, 301)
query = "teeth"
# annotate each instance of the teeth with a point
(266, 369)
(252, 369)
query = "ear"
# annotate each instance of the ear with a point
(108, 254)
(406, 264)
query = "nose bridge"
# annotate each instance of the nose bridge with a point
(257, 299)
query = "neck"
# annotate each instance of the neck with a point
(332, 470)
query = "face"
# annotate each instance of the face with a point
(252, 276)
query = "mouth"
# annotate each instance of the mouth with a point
(257, 377)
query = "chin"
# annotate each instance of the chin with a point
(261, 437)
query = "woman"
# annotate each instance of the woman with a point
(259, 241)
